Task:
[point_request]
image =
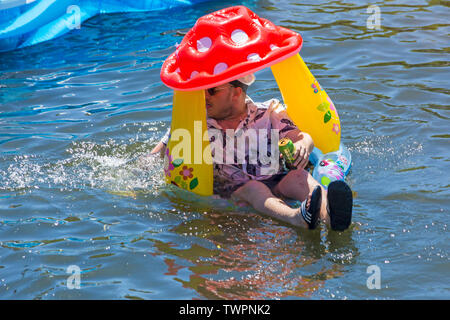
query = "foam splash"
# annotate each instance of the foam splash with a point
(110, 166)
(384, 152)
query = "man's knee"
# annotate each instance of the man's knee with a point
(294, 178)
(296, 184)
(250, 188)
(254, 185)
(301, 174)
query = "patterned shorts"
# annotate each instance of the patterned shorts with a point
(226, 190)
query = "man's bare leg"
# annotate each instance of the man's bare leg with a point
(299, 184)
(262, 199)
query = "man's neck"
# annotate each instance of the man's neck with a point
(232, 122)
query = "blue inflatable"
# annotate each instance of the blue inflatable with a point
(27, 22)
(331, 166)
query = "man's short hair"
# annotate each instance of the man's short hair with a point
(237, 83)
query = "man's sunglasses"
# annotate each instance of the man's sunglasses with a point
(234, 84)
(214, 90)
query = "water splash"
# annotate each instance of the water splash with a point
(110, 166)
(385, 153)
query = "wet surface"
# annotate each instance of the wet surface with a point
(77, 113)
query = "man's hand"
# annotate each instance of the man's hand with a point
(302, 155)
(304, 145)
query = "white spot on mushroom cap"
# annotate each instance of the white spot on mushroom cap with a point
(220, 67)
(253, 57)
(257, 22)
(193, 74)
(239, 36)
(273, 47)
(204, 44)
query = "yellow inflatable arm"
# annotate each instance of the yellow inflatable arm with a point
(188, 161)
(307, 103)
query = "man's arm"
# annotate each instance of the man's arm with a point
(303, 142)
(161, 146)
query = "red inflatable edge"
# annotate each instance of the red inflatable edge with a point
(175, 85)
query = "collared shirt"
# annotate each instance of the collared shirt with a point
(249, 152)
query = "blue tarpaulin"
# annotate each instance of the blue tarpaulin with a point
(27, 22)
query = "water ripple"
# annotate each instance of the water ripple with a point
(79, 114)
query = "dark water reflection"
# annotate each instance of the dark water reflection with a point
(76, 114)
(249, 257)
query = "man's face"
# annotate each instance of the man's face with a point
(219, 101)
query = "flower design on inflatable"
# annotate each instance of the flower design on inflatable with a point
(336, 129)
(168, 165)
(329, 171)
(328, 108)
(316, 87)
(186, 173)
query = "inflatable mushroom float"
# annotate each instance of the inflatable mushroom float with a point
(224, 46)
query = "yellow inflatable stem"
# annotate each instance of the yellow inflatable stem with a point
(307, 103)
(188, 161)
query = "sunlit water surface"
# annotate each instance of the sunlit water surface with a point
(77, 113)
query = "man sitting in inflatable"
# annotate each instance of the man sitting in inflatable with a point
(229, 107)
(212, 67)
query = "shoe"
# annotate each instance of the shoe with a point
(311, 215)
(340, 203)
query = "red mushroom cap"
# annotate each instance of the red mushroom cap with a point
(225, 45)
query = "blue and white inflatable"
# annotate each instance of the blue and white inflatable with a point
(331, 166)
(27, 22)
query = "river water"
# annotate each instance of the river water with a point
(76, 112)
